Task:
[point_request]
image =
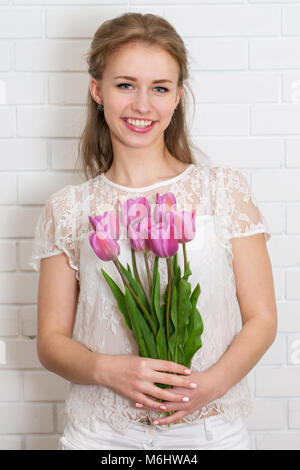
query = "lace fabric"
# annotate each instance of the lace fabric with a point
(225, 208)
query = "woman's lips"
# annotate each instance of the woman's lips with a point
(138, 129)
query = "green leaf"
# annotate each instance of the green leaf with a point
(161, 341)
(183, 340)
(165, 294)
(158, 309)
(195, 295)
(184, 308)
(174, 312)
(177, 275)
(172, 345)
(132, 312)
(136, 288)
(187, 271)
(144, 332)
(155, 267)
(195, 329)
(175, 262)
(129, 269)
(119, 296)
(144, 335)
(184, 304)
(152, 305)
(173, 323)
(149, 338)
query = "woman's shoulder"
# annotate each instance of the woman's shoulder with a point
(218, 175)
(224, 170)
(75, 192)
(61, 197)
(227, 176)
(68, 197)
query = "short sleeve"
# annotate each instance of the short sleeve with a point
(55, 229)
(236, 211)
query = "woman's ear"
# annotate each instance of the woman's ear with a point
(95, 90)
(179, 94)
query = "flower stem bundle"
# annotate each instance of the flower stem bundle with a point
(170, 330)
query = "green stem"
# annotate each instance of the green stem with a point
(184, 256)
(170, 282)
(135, 271)
(133, 259)
(148, 273)
(125, 280)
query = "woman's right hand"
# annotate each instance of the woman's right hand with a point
(134, 377)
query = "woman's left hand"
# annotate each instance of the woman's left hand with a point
(207, 391)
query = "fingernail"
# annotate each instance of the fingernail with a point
(163, 407)
(139, 405)
(192, 385)
(187, 371)
(185, 399)
(155, 422)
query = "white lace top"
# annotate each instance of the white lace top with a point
(225, 208)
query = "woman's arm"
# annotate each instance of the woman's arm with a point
(58, 294)
(256, 297)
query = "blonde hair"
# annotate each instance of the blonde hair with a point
(95, 147)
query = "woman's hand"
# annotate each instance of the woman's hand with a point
(134, 377)
(207, 391)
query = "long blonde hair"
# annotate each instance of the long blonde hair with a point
(94, 146)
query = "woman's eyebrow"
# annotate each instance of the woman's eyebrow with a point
(133, 79)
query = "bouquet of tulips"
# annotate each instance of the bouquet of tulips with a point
(171, 331)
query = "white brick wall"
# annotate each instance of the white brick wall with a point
(246, 79)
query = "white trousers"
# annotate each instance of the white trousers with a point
(212, 433)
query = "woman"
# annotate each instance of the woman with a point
(136, 144)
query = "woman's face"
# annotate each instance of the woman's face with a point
(138, 97)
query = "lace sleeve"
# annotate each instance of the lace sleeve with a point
(235, 208)
(55, 229)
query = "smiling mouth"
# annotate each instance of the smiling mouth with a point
(141, 124)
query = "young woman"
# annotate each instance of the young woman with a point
(135, 144)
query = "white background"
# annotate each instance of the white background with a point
(245, 77)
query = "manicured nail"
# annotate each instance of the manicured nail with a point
(187, 371)
(163, 407)
(185, 399)
(139, 405)
(155, 422)
(192, 385)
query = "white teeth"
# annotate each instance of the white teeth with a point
(141, 123)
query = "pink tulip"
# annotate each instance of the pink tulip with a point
(108, 222)
(184, 222)
(164, 204)
(162, 239)
(106, 249)
(138, 234)
(102, 240)
(134, 210)
(94, 220)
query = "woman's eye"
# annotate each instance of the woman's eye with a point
(162, 87)
(121, 85)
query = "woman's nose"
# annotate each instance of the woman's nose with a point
(142, 103)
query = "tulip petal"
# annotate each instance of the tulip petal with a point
(105, 248)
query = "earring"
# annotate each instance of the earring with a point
(100, 107)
